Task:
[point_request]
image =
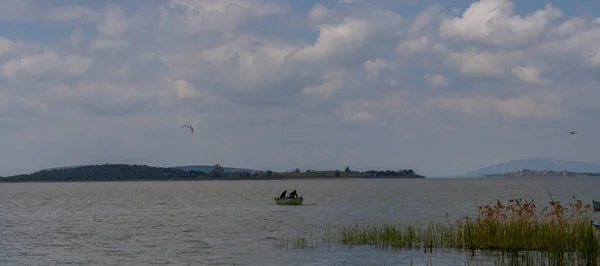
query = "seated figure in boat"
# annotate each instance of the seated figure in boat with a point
(282, 196)
(293, 195)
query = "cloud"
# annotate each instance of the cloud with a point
(319, 13)
(5, 45)
(104, 44)
(196, 16)
(68, 13)
(18, 10)
(352, 115)
(373, 67)
(414, 46)
(115, 22)
(526, 106)
(426, 19)
(529, 74)
(186, 89)
(494, 22)
(332, 81)
(355, 83)
(350, 34)
(569, 26)
(436, 80)
(474, 62)
(46, 63)
(335, 39)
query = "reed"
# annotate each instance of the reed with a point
(516, 230)
(298, 242)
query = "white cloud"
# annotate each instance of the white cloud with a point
(48, 62)
(115, 22)
(396, 103)
(5, 45)
(525, 106)
(93, 91)
(359, 116)
(246, 60)
(414, 46)
(319, 13)
(424, 20)
(494, 22)
(529, 74)
(350, 34)
(373, 67)
(484, 63)
(334, 39)
(331, 82)
(581, 44)
(436, 80)
(570, 27)
(106, 44)
(185, 89)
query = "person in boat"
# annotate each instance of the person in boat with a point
(293, 195)
(282, 196)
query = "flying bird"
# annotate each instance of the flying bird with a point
(189, 126)
(572, 132)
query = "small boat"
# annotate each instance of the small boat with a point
(288, 201)
(596, 223)
(596, 205)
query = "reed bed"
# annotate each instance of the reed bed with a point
(516, 231)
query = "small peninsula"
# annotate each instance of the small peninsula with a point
(126, 172)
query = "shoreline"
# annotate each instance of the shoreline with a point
(212, 179)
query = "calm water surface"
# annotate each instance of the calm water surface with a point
(227, 222)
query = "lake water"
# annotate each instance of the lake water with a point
(228, 222)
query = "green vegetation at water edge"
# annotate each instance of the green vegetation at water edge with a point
(516, 231)
(347, 173)
(124, 172)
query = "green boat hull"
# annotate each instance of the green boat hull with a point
(294, 201)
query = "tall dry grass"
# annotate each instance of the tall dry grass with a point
(516, 229)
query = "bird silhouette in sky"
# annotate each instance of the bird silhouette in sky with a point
(572, 132)
(189, 126)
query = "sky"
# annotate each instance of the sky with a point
(441, 86)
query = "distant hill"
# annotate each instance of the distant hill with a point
(538, 164)
(105, 172)
(197, 168)
(208, 168)
(125, 172)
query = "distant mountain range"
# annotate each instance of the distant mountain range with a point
(538, 164)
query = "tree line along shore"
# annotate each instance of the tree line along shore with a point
(125, 172)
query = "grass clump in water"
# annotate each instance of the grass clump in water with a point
(517, 226)
(517, 229)
(298, 242)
